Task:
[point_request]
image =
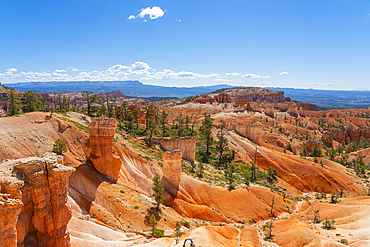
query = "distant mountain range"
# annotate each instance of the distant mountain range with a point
(130, 88)
(328, 99)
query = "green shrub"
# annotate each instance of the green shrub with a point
(59, 147)
(158, 233)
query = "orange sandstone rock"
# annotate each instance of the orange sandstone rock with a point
(41, 185)
(187, 145)
(172, 167)
(9, 211)
(103, 155)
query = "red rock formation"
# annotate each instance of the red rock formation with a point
(240, 103)
(9, 211)
(311, 144)
(293, 111)
(187, 145)
(41, 185)
(222, 98)
(3, 105)
(257, 94)
(103, 155)
(307, 106)
(327, 139)
(172, 167)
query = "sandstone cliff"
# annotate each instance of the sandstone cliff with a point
(172, 167)
(103, 155)
(34, 196)
(186, 145)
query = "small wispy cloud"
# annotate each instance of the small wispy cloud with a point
(178, 20)
(233, 74)
(154, 13)
(59, 70)
(283, 73)
(253, 76)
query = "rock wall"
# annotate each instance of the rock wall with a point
(311, 144)
(186, 145)
(33, 194)
(307, 106)
(346, 134)
(172, 167)
(9, 211)
(223, 98)
(252, 132)
(103, 155)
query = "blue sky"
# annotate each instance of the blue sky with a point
(301, 44)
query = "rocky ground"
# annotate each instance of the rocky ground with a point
(112, 207)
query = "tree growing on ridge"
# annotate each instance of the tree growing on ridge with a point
(90, 99)
(59, 147)
(222, 143)
(14, 103)
(30, 102)
(206, 131)
(158, 191)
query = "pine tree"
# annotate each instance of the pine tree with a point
(222, 143)
(164, 120)
(178, 233)
(30, 101)
(206, 131)
(59, 147)
(14, 103)
(90, 99)
(153, 222)
(158, 191)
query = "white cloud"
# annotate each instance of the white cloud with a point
(253, 76)
(266, 82)
(283, 73)
(233, 74)
(10, 71)
(319, 84)
(154, 12)
(178, 20)
(138, 70)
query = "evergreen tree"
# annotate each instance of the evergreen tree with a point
(164, 120)
(30, 102)
(206, 131)
(153, 222)
(136, 114)
(14, 103)
(222, 141)
(151, 128)
(123, 110)
(90, 99)
(158, 191)
(102, 112)
(316, 152)
(178, 233)
(180, 125)
(44, 103)
(59, 147)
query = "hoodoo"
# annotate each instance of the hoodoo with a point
(103, 155)
(172, 167)
(33, 202)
